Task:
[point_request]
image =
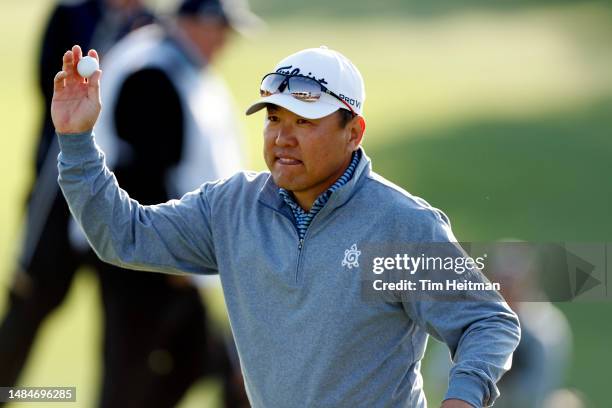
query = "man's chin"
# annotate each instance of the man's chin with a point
(285, 185)
(283, 182)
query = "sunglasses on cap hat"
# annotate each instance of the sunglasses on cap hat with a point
(301, 87)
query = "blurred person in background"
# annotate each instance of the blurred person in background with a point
(541, 360)
(168, 122)
(156, 342)
(48, 261)
(542, 357)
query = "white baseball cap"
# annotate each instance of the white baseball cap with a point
(329, 68)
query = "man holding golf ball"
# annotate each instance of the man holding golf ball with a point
(279, 241)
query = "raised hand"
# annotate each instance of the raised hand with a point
(76, 102)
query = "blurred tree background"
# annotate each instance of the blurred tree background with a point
(497, 112)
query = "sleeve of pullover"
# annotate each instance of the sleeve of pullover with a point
(174, 237)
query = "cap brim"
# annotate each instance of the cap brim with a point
(308, 110)
(244, 22)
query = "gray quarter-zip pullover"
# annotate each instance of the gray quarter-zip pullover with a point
(305, 335)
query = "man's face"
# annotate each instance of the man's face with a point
(306, 156)
(208, 33)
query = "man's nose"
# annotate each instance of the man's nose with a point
(286, 136)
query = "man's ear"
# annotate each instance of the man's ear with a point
(357, 128)
(362, 124)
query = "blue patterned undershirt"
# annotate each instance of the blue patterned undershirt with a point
(303, 218)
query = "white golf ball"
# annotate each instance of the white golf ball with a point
(87, 66)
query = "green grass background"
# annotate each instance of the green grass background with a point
(499, 114)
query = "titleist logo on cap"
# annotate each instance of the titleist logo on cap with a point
(296, 71)
(289, 70)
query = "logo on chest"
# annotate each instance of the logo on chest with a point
(351, 257)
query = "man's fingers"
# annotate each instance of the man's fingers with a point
(67, 64)
(58, 81)
(70, 61)
(93, 86)
(94, 54)
(78, 54)
(93, 81)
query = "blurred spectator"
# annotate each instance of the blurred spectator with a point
(542, 357)
(167, 125)
(156, 339)
(47, 261)
(566, 399)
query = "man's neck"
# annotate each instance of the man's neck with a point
(306, 199)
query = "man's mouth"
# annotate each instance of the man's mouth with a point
(287, 160)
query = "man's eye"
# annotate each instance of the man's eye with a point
(273, 118)
(303, 122)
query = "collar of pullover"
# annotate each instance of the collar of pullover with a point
(270, 197)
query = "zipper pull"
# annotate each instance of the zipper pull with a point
(301, 244)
